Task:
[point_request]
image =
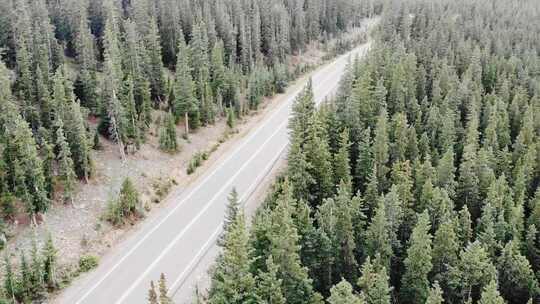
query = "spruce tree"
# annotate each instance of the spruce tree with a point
(373, 283)
(232, 281)
(435, 295)
(185, 103)
(473, 272)
(152, 294)
(79, 141)
(283, 238)
(268, 289)
(415, 283)
(49, 253)
(10, 281)
(342, 167)
(65, 163)
(377, 237)
(490, 295)
(517, 281)
(163, 290)
(167, 134)
(343, 293)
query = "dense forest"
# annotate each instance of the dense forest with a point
(74, 72)
(418, 183)
(68, 63)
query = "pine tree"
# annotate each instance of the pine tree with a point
(155, 73)
(37, 285)
(381, 148)
(342, 293)
(49, 254)
(415, 283)
(112, 122)
(490, 295)
(446, 173)
(302, 110)
(342, 168)
(283, 238)
(232, 281)
(364, 163)
(374, 283)
(10, 281)
(79, 142)
(185, 103)
(377, 237)
(516, 277)
(473, 272)
(445, 250)
(268, 288)
(65, 163)
(163, 291)
(25, 279)
(167, 134)
(152, 294)
(86, 86)
(234, 207)
(435, 295)
(319, 157)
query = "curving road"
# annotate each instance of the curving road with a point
(174, 240)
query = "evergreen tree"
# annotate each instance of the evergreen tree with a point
(79, 142)
(415, 283)
(232, 211)
(342, 168)
(490, 295)
(435, 295)
(232, 281)
(184, 101)
(10, 281)
(517, 281)
(374, 283)
(284, 248)
(152, 294)
(167, 134)
(473, 272)
(65, 163)
(268, 288)
(343, 293)
(163, 291)
(380, 148)
(50, 263)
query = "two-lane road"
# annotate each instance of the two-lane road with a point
(177, 237)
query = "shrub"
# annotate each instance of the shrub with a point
(88, 262)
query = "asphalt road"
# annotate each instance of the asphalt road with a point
(174, 240)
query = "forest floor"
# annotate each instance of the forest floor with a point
(80, 230)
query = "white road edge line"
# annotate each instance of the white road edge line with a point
(196, 218)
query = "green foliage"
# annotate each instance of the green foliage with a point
(414, 283)
(167, 134)
(343, 293)
(88, 262)
(125, 206)
(196, 161)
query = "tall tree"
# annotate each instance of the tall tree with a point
(415, 283)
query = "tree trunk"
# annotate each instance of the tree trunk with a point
(186, 122)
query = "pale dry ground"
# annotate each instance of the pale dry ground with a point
(78, 229)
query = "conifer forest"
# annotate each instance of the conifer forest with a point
(417, 182)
